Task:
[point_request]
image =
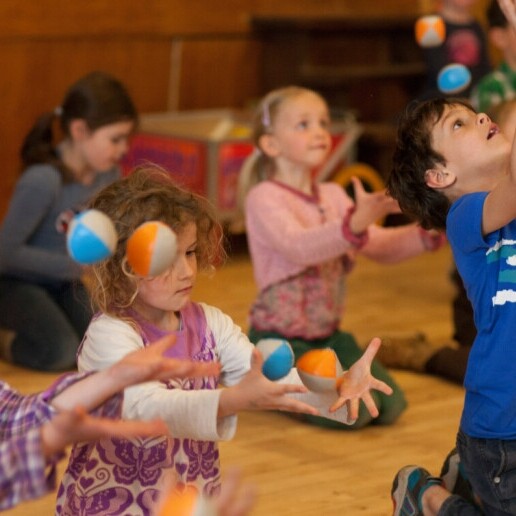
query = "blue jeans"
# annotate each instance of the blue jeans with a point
(49, 322)
(490, 465)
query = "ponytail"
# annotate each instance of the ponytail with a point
(38, 146)
(255, 169)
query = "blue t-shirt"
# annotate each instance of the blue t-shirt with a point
(487, 265)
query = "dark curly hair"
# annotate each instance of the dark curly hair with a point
(413, 156)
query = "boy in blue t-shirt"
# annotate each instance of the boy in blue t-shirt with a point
(453, 169)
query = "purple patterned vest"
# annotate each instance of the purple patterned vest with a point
(116, 476)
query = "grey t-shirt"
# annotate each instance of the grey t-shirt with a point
(33, 233)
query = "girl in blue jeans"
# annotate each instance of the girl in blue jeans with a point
(44, 308)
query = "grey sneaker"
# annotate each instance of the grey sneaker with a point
(407, 489)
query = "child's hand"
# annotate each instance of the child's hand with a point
(235, 498)
(139, 366)
(149, 364)
(255, 392)
(509, 9)
(369, 207)
(77, 425)
(357, 382)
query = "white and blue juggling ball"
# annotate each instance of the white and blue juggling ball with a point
(278, 358)
(91, 237)
(430, 31)
(453, 78)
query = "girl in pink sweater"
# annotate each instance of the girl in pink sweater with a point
(303, 237)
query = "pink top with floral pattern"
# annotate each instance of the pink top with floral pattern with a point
(301, 256)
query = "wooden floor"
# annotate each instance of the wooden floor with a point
(302, 470)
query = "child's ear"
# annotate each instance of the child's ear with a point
(78, 129)
(269, 145)
(438, 178)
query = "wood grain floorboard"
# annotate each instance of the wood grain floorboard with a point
(303, 470)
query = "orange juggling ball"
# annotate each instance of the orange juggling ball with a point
(186, 501)
(430, 31)
(319, 369)
(151, 249)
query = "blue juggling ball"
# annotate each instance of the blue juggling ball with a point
(91, 237)
(453, 78)
(278, 358)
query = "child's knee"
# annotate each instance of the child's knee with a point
(391, 408)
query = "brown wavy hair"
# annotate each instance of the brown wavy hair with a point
(148, 193)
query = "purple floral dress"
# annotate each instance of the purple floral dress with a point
(119, 476)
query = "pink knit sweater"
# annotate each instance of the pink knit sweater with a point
(288, 233)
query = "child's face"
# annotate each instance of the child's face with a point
(103, 148)
(300, 132)
(170, 291)
(476, 152)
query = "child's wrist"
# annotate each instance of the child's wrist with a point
(356, 239)
(52, 443)
(227, 403)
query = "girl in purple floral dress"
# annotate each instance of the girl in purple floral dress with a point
(35, 429)
(124, 476)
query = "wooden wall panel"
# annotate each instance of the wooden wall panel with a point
(219, 73)
(61, 18)
(47, 44)
(41, 71)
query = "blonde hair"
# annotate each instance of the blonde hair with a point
(148, 193)
(259, 167)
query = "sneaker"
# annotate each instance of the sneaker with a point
(455, 479)
(405, 351)
(407, 489)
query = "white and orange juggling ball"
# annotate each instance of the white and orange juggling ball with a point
(186, 502)
(151, 249)
(430, 31)
(319, 369)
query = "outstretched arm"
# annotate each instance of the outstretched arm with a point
(255, 392)
(357, 382)
(76, 425)
(509, 9)
(25, 458)
(139, 366)
(499, 206)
